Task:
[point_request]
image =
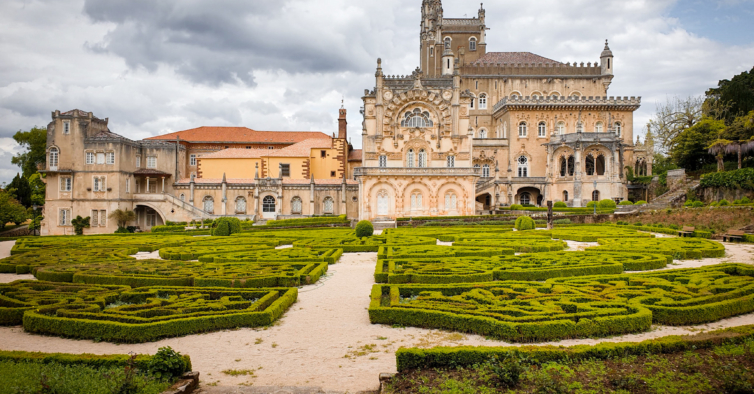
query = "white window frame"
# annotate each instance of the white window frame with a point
(410, 158)
(482, 134)
(96, 184)
(422, 158)
(89, 157)
(138, 161)
(54, 158)
(451, 161)
(472, 44)
(151, 161)
(110, 158)
(66, 183)
(598, 127)
(542, 129)
(560, 128)
(619, 128)
(192, 160)
(522, 130)
(523, 169)
(64, 216)
(486, 171)
(66, 127)
(483, 101)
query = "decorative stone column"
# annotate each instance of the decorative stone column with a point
(225, 196)
(191, 190)
(577, 183)
(311, 197)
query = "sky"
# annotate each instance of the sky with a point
(158, 66)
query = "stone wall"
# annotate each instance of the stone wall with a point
(710, 194)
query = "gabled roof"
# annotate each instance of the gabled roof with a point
(240, 135)
(107, 135)
(300, 149)
(514, 57)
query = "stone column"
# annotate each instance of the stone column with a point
(311, 197)
(577, 198)
(163, 185)
(147, 191)
(225, 196)
(191, 190)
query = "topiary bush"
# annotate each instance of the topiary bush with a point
(167, 363)
(590, 204)
(641, 202)
(223, 227)
(525, 223)
(698, 204)
(560, 204)
(364, 229)
(122, 230)
(724, 203)
(516, 207)
(745, 200)
(626, 202)
(606, 204)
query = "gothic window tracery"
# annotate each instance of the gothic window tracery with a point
(296, 205)
(410, 158)
(268, 204)
(525, 198)
(328, 205)
(416, 118)
(450, 201)
(589, 165)
(416, 201)
(209, 204)
(241, 205)
(560, 128)
(482, 134)
(451, 161)
(383, 161)
(422, 158)
(486, 171)
(523, 167)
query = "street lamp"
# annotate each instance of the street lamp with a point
(34, 209)
(595, 203)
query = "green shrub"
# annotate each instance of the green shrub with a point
(222, 229)
(79, 224)
(714, 204)
(314, 221)
(724, 203)
(167, 363)
(517, 207)
(626, 202)
(745, 200)
(525, 223)
(606, 204)
(698, 204)
(121, 230)
(641, 202)
(225, 226)
(736, 179)
(364, 229)
(560, 204)
(591, 204)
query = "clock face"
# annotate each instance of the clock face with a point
(388, 95)
(447, 95)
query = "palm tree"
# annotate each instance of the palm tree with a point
(123, 216)
(719, 148)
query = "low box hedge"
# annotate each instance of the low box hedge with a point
(678, 248)
(142, 361)
(342, 219)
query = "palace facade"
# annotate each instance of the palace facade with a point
(470, 130)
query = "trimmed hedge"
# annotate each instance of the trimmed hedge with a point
(678, 248)
(342, 219)
(588, 306)
(143, 362)
(525, 223)
(442, 357)
(366, 244)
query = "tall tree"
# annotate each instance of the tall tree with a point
(21, 191)
(34, 143)
(10, 210)
(673, 117)
(123, 217)
(690, 148)
(732, 98)
(38, 188)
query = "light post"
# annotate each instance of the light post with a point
(595, 203)
(34, 220)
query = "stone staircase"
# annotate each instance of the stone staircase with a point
(673, 198)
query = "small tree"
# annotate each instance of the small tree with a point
(122, 217)
(525, 223)
(11, 211)
(79, 224)
(226, 226)
(364, 228)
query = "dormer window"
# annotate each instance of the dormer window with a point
(416, 118)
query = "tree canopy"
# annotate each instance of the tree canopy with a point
(690, 148)
(731, 98)
(20, 190)
(34, 143)
(11, 211)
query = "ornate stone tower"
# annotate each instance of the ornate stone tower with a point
(430, 36)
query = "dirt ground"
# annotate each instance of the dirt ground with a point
(325, 339)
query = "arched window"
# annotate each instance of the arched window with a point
(451, 161)
(486, 171)
(383, 161)
(525, 198)
(576, 94)
(416, 118)
(523, 167)
(579, 127)
(542, 129)
(596, 195)
(410, 158)
(589, 165)
(618, 128)
(240, 205)
(383, 203)
(571, 165)
(560, 128)
(422, 158)
(600, 165)
(53, 159)
(328, 206)
(522, 129)
(482, 133)
(296, 206)
(183, 197)
(563, 166)
(416, 201)
(268, 204)
(598, 127)
(565, 196)
(450, 201)
(209, 204)
(472, 44)
(536, 95)
(482, 101)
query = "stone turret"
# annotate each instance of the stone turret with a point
(606, 59)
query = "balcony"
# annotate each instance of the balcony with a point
(424, 171)
(490, 142)
(540, 179)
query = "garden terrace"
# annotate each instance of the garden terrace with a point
(29, 262)
(573, 307)
(678, 248)
(121, 314)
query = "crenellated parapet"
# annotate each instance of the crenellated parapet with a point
(563, 103)
(554, 69)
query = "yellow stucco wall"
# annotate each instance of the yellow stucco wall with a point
(323, 166)
(232, 168)
(296, 165)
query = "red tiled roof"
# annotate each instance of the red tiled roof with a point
(355, 155)
(300, 149)
(332, 181)
(240, 135)
(513, 57)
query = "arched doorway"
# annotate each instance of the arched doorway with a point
(485, 200)
(147, 217)
(383, 204)
(529, 195)
(268, 207)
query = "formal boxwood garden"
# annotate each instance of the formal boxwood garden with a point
(572, 307)
(678, 248)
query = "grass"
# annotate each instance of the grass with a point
(723, 369)
(30, 377)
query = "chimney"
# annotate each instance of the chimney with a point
(342, 124)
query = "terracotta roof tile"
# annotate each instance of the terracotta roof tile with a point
(513, 57)
(355, 155)
(246, 181)
(300, 149)
(240, 135)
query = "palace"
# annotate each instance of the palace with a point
(470, 130)
(467, 132)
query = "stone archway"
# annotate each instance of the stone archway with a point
(148, 216)
(528, 195)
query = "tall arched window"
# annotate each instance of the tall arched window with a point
(417, 118)
(571, 165)
(422, 158)
(268, 204)
(522, 129)
(482, 133)
(240, 205)
(523, 167)
(450, 201)
(472, 44)
(600, 165)
(183, 197)
(618, 128)
(542, 129)
(416, 201)
(596, 195)
(482, 101)
(565, 196)
(451, 161)
(560, 128)
(589, 165)
(209, 204)
(486, 171)
(525, 198)
(598, 127)
(53, 159)
(296, 206)
(563, 166)
(410, 158)
(328, 206)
